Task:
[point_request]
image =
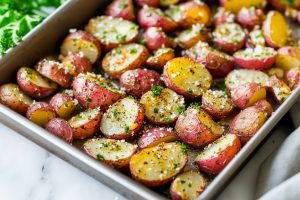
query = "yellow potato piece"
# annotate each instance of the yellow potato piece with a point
(66, 110)
(258, 95)
(42, 117)
(235, 5)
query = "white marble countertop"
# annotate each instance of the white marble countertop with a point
(28, 172)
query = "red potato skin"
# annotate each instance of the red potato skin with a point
(254, 63)
(292, 77)
(275, 82)
(156, 38)
(216, 164)
(78, 63)
(249, 19)
(81, 35)
(38, 106)
(229, 47)
(61, 129)
(265, 106)
(156, 136)
(115, 9)
(153, 3)
(148, 19)
(222, 17)
(139, 81)
(31, 89)
(55, 72)
(100, 96)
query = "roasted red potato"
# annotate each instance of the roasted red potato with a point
(139, 81)
(235, 5)
(256, 37)
(229, 37)
(61, 129)
(188, 13)
(223, 16)
(82, 42)
(265, 106)
(154, 17)
(158, 165)
(121, 9)
(75, 64)
(259, 58)
(215, 157)
(153, 3)
(187, 186)
(292, 77)
(189, 37)
(279, 89)
(86, 123)
(123, 119)
(196, 128)
(217, 103)
(276, 29)
(218, 63)
(114, 153)
(54, 71)
(288, 57)
(64, 105)
(155, 136)
(95, 91)
(279, 72)
(123, 58)
(33, 84)
(282, 4)
(40, 113)
(12, 96)
(112, 31)
(160, 58)
(162, 105)
(186, 77)
(247, 94)
(155, 39)
(247, 123)
(166, 3)
(250, 17)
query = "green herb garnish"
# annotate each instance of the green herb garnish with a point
(100, 157)
(180, 109)
(123, 5)
(156, 90)
(196, 105)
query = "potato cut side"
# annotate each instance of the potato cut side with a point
(160, 58)
(67, 109)
(162, 105)
(188, 38)
(168, 2)
(288, 58)
(157, 165)
(258, 95)
(84, 117)
(279, 89)
(236, 5)
(42, 116)
(188, 185)
(205, 118)
(123, 119)
(115, 153)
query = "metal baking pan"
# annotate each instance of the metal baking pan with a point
(45, 39)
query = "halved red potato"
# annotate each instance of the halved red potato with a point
(154, 17)
(217, 103)
(235, 5)
(215, 157)
(256, 37)
(12, 96)
(75, 64)
(223, 16)
(247, 94)
(188, 13)
(155, 136)
(155, 39)
(279, 89)
(196, 128)
(115, 153)
(186, 77)
(123, 119)
(288, 57)
(158, 165)
(64, 105)
(166, 3)
(162, 105)
(259, 58)
(229, 37)
(276, 29)
(265, 106)
(160, 58)
(86, 123)
(189, 37)
(241, 76)
(82, 42)
(54, 71)
(219, 64)
(153, 3)
(33, 84)
(281, 4)
(123, 58)
(291, 13)
(187, 186)
(121, 8)
(60, 128)
(292, 77)
(112, 31)
(94, 91)
(279, 72)
(139, 81)
(247, 123)
(40, 113)
(250, 17)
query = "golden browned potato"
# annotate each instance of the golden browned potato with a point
(40, 113)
